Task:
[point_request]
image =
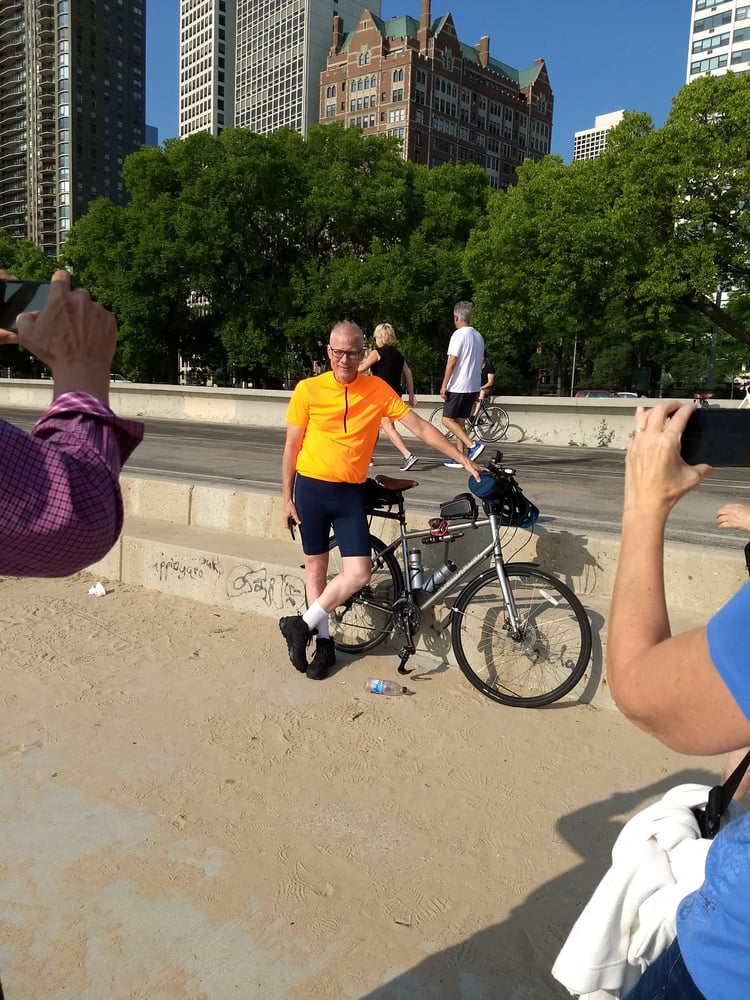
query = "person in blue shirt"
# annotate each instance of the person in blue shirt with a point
(692, 692)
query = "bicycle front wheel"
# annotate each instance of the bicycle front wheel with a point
(544, 661)
(366, 618)
(436, 419)
(492, 423)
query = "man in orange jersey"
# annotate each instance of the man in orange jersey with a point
(332, 427)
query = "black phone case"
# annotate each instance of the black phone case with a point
(717, 437)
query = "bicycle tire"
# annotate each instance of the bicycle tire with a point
(522, 673)
(367, 617)
(436, 419)
(492, 423)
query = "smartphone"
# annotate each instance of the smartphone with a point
(18, 297)
(717, 437)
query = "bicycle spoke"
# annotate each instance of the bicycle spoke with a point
(544, 660)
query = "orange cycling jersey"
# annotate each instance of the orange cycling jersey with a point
(341, 424)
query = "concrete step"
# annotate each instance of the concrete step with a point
(265, 575)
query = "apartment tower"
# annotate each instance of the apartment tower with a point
(591, 142)
(719, 38)
(282, 46)
(72, 94)
(446, 101)
(207, 46)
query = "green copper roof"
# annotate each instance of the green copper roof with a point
(404, 26)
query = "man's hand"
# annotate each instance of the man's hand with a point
(73, 336)
(472, 468)
(290, 513)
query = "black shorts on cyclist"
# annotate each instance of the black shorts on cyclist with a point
(321, 506)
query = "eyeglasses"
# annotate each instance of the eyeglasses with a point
(349, 355)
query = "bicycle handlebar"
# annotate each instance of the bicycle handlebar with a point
(499, 471)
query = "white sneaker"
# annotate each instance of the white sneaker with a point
(407, 463)
(475, 450)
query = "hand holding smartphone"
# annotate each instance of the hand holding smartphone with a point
(18, 297)
(717, 437)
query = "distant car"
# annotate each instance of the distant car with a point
(116, 377)
(595, 394)
(627, 395)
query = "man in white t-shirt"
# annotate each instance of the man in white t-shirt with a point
(462, 381)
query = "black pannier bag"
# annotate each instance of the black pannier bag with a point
(461, 508)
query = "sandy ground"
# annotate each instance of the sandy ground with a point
(185, 816)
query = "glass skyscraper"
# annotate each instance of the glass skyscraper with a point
(72, 100)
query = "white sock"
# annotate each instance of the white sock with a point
(323, 631)
(315, 616)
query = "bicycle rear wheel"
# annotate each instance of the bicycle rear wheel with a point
(367, 617)
(549, 657)
(436, 419)
(492, 422)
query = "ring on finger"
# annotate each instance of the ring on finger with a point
(636, 430)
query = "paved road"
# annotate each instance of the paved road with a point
(575, 489)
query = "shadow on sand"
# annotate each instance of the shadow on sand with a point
(511, 960)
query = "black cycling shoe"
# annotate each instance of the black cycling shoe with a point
(322, 661)
(298, 637)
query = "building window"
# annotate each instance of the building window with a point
(398, 95)
(398, 75)
(331, 111)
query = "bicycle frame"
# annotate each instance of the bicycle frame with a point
(494, 547)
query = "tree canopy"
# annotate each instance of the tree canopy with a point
(241, 251)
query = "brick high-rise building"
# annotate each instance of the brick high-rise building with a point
(72, 107)
(445, 100)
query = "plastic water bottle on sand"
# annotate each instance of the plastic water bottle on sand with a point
(376, 686)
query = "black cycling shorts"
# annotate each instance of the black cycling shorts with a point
(322, 506)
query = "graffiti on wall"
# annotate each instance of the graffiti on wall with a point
(276, 590)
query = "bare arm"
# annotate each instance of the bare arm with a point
(372, 358)
(294, 436)
(432, 436)
(666, 685)
(450, 364)
(406, 370)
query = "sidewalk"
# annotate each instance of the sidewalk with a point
(184, 815)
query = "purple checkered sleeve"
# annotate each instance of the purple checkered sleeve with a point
(60, 499)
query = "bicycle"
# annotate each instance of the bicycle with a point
(490, 422)
(520, 635)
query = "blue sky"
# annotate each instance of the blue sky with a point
(601, 55)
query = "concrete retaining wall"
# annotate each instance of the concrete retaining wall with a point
(586, 563)
(564, 422)
(230, 548)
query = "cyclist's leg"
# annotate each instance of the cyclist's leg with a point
(480, 397)
(353, 537)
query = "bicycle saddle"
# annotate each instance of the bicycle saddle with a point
(399, 485)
